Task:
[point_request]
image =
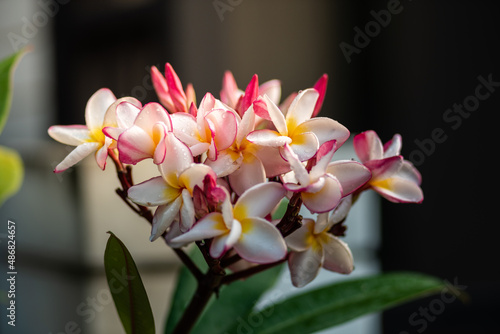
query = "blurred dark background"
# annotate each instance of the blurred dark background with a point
(393, 67)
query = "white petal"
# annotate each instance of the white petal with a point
(300, 239)
(260, 241)
(250, 173)
(259, 200)
(97, 106)
(187, 211)
(153, 192)
(163, 218)
(223, 243)
(210, 226)
(80, 152)
(73, 135)
(351, 175)
(399, 190)
(337, 255)
(304, 266)
(276, 116)
(301, 108)
(326, 199)
(298, 168)
(393, 147)
(266, 137)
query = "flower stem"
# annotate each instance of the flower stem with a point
(207, 286)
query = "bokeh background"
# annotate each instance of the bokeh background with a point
(411, 67)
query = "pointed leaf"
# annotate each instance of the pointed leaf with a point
(125, 285)
(7, 66)
(340, 302)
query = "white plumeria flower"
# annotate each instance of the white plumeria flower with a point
(172, 191)
(242, 227)
(303, 134)
(323, 187)
(315, 247)
(87, 138)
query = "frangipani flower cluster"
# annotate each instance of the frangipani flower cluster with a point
(225, 165)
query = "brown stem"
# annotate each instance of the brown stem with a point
(209, 285)
(250, 271)
(291, 221)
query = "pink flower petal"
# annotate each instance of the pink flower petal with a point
(272, 89)
(151, 114)
(273, 162)
(75, 156)
(260, 241)
(259, 200)
(323, 158)
(160, 134)
(102, 154)
(384, 168)
(194, 176)
(134, 145)
(230, 92)
(73, 135)
(175, 89)
(325, 199)
(320, 87)
(161, 88)
(97, 106)
(337, 255)
(352, 175)
(368, 146)
(164, 216)
(224, 127)
(116, 116)
(251, 93)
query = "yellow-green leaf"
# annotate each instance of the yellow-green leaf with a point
(11, 173)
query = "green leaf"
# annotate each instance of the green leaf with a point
(125, 285)
(7, 66)
(338, 303)
(235, 303)
(11, 173)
